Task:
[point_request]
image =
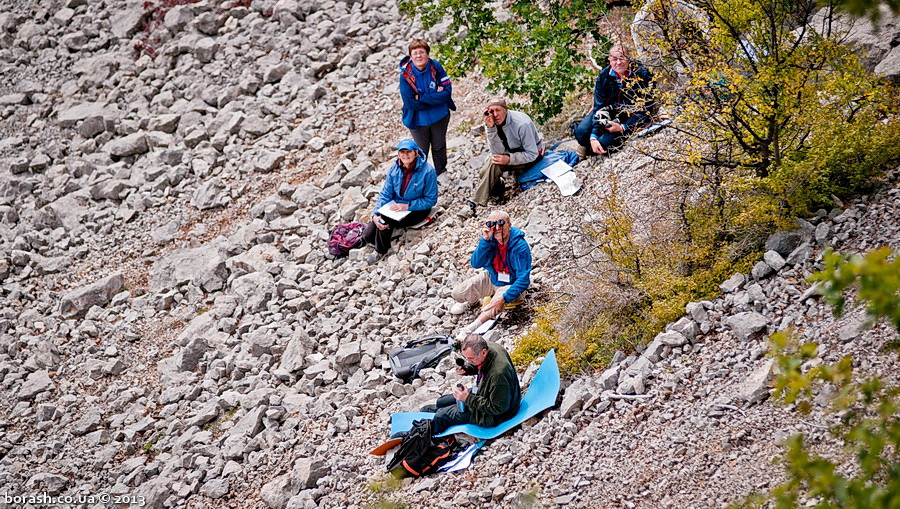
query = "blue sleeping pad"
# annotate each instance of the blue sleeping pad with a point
(540, 395)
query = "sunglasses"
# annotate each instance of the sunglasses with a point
(491, 224)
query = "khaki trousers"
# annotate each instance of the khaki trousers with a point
(490, 174)
(477, 287)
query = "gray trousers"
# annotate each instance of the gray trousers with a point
(434, 137)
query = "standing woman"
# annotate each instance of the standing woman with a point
(412, 185)
(426, 92)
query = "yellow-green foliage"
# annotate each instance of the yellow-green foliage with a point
(541, 338)
(647, 282)
(842, 158)
(774, 117)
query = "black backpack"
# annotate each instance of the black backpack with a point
(419, 354)
(420, 453)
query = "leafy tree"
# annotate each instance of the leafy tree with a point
(533, 49)
(869, 426)
(755, 79)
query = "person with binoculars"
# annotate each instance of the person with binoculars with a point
(515, 145)
(504, 259)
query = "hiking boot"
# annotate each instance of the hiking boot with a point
(459, 308)
(581, 150)
(468, 210)
(374, 257)
(400, 434)
(498, 190)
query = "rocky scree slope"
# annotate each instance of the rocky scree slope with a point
(171, 327)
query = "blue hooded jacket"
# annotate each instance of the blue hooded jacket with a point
(422, 191)
(431, 105)
(518, 258)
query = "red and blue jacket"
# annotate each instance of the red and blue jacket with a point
(423, 105)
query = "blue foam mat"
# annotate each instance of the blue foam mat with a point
(533, 175)
(541, 395)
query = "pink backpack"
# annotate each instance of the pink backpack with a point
(345, 237)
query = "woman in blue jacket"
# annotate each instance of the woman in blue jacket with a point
(427, 101)
(411, 184)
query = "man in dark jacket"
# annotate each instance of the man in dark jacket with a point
(622, 102)
(496, 395)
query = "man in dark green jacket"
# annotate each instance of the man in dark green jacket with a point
(494, 398)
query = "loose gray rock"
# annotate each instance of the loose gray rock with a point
(761, 270)
(254, 291)
(34, 384)
(203, 266)
(352, 201)
(784, 242)
(268, 160)
(775, 260)
(307, 472)
(278, 491)
(733, 283)
(211, 194)
(216, 488)
(133, 144)
(129, 20)
(823, 233)
(251, 424)
(755, 388)
(89, 422)
(348, 354)
(574, 397)
(187, 358)
(205, 49)
(747, 325)
(76, 302)
(799, 255)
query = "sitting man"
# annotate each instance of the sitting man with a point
(515, 145)
(411, 183)
(505, 257)
(622, 101)
(494, 398)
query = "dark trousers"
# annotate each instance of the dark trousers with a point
(448, 414)
(435, 137)
(582, 134)
(382, 238)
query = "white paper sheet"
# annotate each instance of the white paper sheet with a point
(486, 326)
(396, 215)
(562, 174)
(463, 459)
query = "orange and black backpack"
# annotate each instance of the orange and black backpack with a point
(420, 453)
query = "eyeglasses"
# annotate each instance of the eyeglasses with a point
(617, 59)
(491, 224)
(492, 111)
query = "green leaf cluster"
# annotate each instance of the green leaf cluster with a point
(877, 276)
